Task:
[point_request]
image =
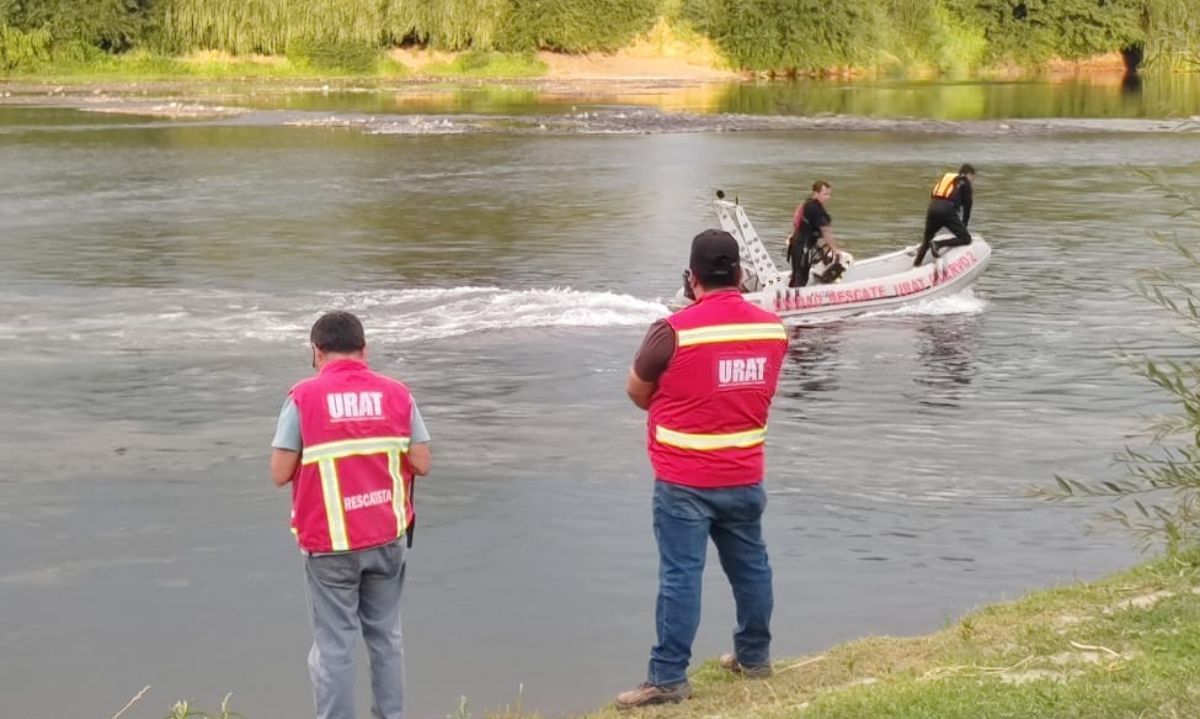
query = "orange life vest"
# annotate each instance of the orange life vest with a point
(944, 188)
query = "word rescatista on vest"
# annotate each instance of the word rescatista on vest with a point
(708, 416)
(353, 488)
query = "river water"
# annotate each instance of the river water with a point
(159, 278)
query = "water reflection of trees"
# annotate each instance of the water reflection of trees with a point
(946, 352)
(1103, 95)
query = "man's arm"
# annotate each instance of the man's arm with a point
(639, 390)
(827, 238)
(420, 458)
(285, 447)
(651, 361)
(283, 465)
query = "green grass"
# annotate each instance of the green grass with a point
(481, 64)
(1075, 651)
(140, 66)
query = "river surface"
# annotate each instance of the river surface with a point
(159, 278)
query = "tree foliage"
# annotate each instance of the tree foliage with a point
(1036, 30)
(805, 35)
(789, 34)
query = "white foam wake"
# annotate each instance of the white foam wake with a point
(961, 303)
(436, 313)
(158, 319)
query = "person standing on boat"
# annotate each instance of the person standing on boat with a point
(950, 207)
(350, 442)
(706, 375)
(812, 234)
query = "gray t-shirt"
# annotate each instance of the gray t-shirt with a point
(287, 429)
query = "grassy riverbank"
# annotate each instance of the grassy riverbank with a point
(1125, 646)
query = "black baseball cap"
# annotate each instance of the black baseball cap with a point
(714, 256)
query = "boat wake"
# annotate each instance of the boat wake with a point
(962, 303)
(437, 313)
(129, 319)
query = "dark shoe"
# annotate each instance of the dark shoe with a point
(648, 694)
(730, 662)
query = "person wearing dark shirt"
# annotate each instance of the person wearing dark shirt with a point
(812, 234)
(950, 207)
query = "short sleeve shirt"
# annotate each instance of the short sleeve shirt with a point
(658, 347)
(287, 429)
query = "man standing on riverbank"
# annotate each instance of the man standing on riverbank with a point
(949, 207)
(350, 443)
(707, 374)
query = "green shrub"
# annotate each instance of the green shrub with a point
(576, 25)
(112, 25)
(1172, 33)
(355, 56)
(446, 24)
(804, 35)
(1031, 31)
(21, 49)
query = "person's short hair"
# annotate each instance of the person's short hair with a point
(821, 185)
(338, 332)
(966, 169)
(715, 260)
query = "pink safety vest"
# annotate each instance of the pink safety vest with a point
(353, 488)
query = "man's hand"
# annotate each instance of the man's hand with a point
(283, 465)
(420, 458)
(639, 390)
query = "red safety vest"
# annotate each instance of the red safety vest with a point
(943, 189)
(708, 416)
(354, 486)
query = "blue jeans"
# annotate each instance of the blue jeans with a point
(684, 519)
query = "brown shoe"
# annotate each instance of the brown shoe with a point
(647, 694)
(730, 662)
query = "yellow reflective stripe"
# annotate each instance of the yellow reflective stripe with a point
(732, 333)
(351, 447)
(708, 442)
(397, 492)
(335, 511)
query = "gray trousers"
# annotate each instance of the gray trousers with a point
(351, 592)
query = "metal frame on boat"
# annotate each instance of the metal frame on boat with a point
(880, 282)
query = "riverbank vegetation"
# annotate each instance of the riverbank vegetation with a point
(317, 37)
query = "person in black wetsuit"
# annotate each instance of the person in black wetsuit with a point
(812, 234)
(950, 207)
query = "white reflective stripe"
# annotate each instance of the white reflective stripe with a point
(351, 447)
(335, 511)
(732, 333)
(707, 442)
(397, 492)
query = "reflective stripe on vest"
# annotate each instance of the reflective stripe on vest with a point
(943, 189)
(325, 456)
(731, 333)
(710, 442)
